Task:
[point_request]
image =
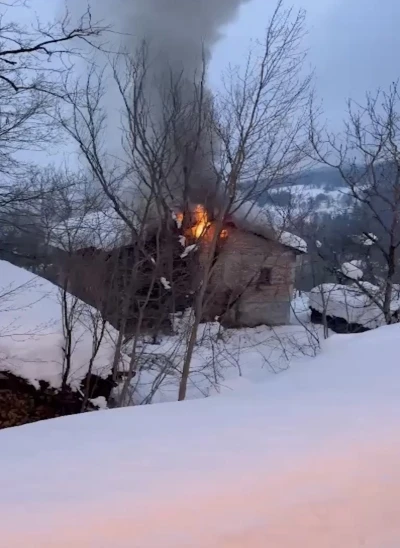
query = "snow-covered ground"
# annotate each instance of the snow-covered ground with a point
(224, 360)
(309, 460)
(31, 342)
(32, 332)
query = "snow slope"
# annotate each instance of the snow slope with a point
(31, 342)
(309, 460)
(224, 360)
(31, 331)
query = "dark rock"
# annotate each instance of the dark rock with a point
(21, 403)
(96, 387)
(338, 325)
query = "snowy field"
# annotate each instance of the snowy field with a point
(31, 342)
(225, 359)
(309, 459)
(313, 201)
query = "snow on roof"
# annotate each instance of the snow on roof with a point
(351, 303)
(291, 240)
(264, 222)
(322, 437)
(352, 270)
(102, 230)
(367, 239)
(106, 230)
(31, 331)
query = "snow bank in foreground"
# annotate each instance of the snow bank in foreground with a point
(351, 303)
(31, 331)
(309, 460)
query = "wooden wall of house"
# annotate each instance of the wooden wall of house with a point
(239, 280)
(125, 283)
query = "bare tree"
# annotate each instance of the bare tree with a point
(33, 62)
(367, 157)
(260, 123)
(194, 148)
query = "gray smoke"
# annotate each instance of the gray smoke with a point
(178, 35)
(176, 29)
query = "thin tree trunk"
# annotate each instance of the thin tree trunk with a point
(198, 311)
(389, 285)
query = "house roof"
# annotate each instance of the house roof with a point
(102, 230)
(252, 218)
(106, 230)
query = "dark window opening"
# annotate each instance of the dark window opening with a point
(265, 277)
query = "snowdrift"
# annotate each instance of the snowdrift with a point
(309, 459)
(223, 360)
(31, 331)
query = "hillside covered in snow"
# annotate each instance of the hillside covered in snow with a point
(310, 459)
(33, 335)
(33, 344)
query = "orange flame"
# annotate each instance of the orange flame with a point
(179, 218)
(201, 222)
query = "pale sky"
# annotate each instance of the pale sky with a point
(353, 44)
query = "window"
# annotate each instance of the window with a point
(265, 277)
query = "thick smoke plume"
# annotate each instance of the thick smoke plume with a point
(176, 29)
(179, 36)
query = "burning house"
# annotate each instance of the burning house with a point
(252, 270)
(253, 262)
(253, 267)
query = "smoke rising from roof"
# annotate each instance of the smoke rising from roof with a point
(179, 36)
(178, 33)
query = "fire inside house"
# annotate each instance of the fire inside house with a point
(200, 224)
(253, 272)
